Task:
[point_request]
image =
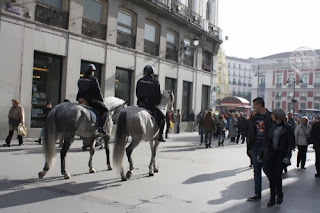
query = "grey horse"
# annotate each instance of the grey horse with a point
(140, 125)
(67, 120)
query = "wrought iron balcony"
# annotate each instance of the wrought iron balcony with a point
(126, 40)
(303, 98)
(291, 84)
(278, 96)
(188, 60)
(194, 17)
(245, 84)
(316, 97)
(250, 85)
(279, 85)
(50, 15)
(151, 47)
(172, 54)
(289, 97)
(304, 85)
(93, 29)
(316, 84)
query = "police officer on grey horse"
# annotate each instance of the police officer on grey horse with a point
(89, 89)
(149, 96)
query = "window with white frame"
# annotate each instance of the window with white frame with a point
(317, 78)
(305, 78)
(279, 79)
(125, 22)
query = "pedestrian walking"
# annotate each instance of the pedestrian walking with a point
(279, 154)
(15, 118)
(221, 129)
(168, 121)
(315, 138)
(190, 124)
(233, 132)
(246, 134)
(199, 116)
(46, 111)
(201, 130)
(209, 127)
(241, 125)
(259, 141)
(291, 121)
(302, 132)
(177, 121)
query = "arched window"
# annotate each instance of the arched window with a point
(151, 38)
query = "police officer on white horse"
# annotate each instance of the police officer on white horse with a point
(149, 96)
(89, 89)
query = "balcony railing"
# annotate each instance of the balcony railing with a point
(93, 29)
(304, 85)
(194, 17)
(206, 67)
(303, 98)
(291, 84)
(244, 84)
(316, 97)
(50, 15)
(278, 96)
(151, 47)
(171, 54)
(316, 84)
(234, 83)
(250, 85)
(239, 83)
(279, 85)
(289, 97)
(188, 60)
(126, 40)
(235, 75)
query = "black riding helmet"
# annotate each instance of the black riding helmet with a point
(148, 70)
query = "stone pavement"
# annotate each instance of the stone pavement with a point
(190, 179)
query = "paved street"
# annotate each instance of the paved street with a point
(190, 179)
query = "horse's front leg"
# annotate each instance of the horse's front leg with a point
(63, 153)
(154, 153)
(92, 151)
(106, 147)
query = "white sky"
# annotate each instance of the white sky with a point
(258, 28)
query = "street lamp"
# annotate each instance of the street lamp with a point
(258, 74)
(294, 91)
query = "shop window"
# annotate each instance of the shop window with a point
(123, 85)
(97, 73)
(186, 99)
(205, 103)
(46, 84)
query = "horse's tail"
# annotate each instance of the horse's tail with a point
(50, 138)
(120, 140)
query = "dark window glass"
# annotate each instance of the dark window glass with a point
(97, 73)
(46, 84)
(186, 99)
(123, 85)
(205, 104)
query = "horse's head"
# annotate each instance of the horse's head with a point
(167, 101)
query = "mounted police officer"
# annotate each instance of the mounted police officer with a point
(89, 89)
(149, 96)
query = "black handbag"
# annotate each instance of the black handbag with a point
(14, 121)
(309, 140)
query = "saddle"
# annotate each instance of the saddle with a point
(94, 114)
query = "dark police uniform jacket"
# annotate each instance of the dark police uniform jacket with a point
(148, 92)
(89, 89)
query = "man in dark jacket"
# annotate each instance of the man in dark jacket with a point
(89, 90)
(241, 126)
(149, 96)
(259, 142)
(45, 111)
(315, 137)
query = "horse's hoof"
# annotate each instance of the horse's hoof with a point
(109, 167)
(41, 175)
(92, 171)
(155, 170)
(151, 174)
(123, 178)
(67, 176)
(129, 174)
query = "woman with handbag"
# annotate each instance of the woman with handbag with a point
(302, 133)
(16, 117)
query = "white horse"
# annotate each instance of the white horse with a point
(69, 119)
(140, 125)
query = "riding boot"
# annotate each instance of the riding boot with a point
(101, 124)
(161, 128)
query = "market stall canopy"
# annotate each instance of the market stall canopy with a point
(234, 101)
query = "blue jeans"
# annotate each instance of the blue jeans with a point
(41, 133)
(201, 132)
(177, 127)
(208, 137)
(257, 166)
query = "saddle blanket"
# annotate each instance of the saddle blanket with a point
(93, 114)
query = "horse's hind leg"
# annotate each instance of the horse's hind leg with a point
(153, 147)
(44, 172)
(135, 142)
(63, 153)
(92, 151)
(106, 147)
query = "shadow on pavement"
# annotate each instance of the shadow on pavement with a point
(21, 195)
(213, 176)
